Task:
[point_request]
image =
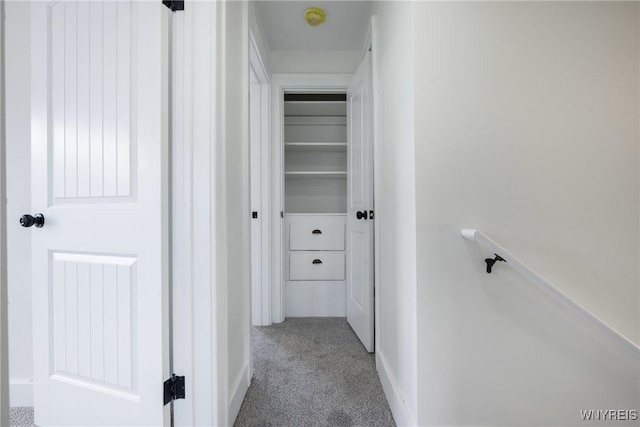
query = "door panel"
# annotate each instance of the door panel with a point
(95, 330)
(356, 290)
(360, 198)
(91, 68)
(100, 177)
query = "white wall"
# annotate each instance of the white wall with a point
(395, 189)
(255, 26)
(315, 61)
(18, 134)
(527, 128)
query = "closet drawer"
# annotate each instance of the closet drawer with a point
(320, 236)
(320, 266)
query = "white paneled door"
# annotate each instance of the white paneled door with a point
(360, 204)
(99, 144)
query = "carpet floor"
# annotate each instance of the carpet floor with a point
(312, 372)
(21, 416)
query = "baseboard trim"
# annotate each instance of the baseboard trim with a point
(397, 403)
(20, 393)
(238, 391)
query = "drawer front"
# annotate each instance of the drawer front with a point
(320, 236)
(321, 266)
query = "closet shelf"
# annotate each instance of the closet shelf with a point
(315, 108)
(315, 121)
(315, 146)
(316, 174)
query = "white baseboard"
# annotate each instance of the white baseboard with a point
(399, 409)
(20, 393)
(238, 391)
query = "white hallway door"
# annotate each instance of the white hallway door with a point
(100, 279)
(360, 205)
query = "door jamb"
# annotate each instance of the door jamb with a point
(260, 69)
(372, 40)
(210, 40)
(281, 83)
(4, 343)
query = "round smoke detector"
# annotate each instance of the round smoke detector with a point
(315, 16)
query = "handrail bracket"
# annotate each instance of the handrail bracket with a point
(491, 261)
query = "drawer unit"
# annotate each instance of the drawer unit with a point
(318, 236)
(316, 266)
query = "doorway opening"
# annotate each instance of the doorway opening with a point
(315, 203)
(320, 164)
(319, 211)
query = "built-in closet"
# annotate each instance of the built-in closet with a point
(312, 183)
(315, 203)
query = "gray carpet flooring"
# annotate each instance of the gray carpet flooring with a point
(21, 416)
(312, 372)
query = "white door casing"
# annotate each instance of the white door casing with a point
(360, 278)
(4, 339)
(281, 83)
(260, 193)
(255, 171)
(100, 177)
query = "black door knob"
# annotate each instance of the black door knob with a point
(361, 214)
(28, 220)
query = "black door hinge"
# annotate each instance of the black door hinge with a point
(174, 4)
(173, 388)
(371, 214)
(254, 214)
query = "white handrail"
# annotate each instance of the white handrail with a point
(526, 271)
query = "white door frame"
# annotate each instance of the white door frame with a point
(195, 35)
(210, 50)
(372, 40)
(279, 84)
(261, 306)
(4, 342)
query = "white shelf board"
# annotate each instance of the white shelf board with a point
(305, 214)
(315, 120)
(315, 108)
(315, 146)
(316, 174)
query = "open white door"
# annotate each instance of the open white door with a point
(99, 162)
(360, 204)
